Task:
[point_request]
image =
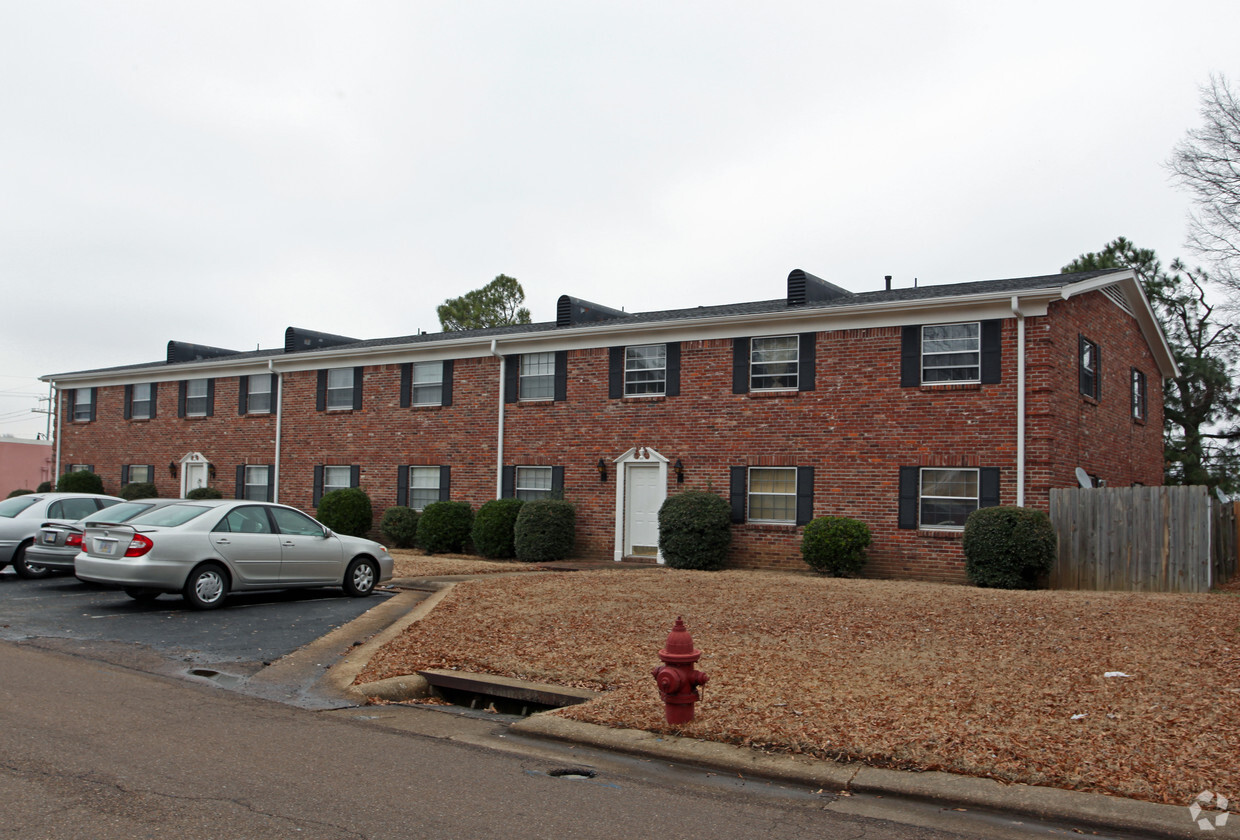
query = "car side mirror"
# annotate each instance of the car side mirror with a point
(327, 532)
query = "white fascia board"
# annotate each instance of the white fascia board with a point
(202, 369)
(1142, 311)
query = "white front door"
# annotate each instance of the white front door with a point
(644, 494)
(193, 475)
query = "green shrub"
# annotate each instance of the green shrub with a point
(544, 531)
(44, 487)
(1008, 547)
(400, 526)
(82, 481)
(347, 511)
(138, 490)
(20, 491)
(444, 527)
(835, 545)
(204, 493)
(695, 530)
(495, 528)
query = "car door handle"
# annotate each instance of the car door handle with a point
(223, 541)
(289, 543)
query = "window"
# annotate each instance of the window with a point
(137, 474)
(951, 353)
(426, 383)
(329, 478)
(196, 398)
(947, 497)
(1089, 368)
(537, 380)
(339, 388)
(250, 519)
(72, 468)
(645, 370)
(773, 363)
(83, 405)
(141, 402)
(76, 509)
(256, 478)
(295, 522)
(423, 486)
(533, 483)
(1138, 395)
(256, 393)
(772, 494)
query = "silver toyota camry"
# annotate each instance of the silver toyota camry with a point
(206, 549)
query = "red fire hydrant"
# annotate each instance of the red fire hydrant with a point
(676, 678)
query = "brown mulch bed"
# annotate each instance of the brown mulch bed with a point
(1007, 685)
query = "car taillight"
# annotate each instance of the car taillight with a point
(138, 546)
(73, 541)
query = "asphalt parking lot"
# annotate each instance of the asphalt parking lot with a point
(249, 632)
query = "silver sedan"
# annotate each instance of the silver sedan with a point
(58, 543)
(206, 549)
(21, 516)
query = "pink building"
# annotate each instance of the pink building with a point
(24, 464)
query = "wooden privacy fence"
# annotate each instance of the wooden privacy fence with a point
(1144, 539)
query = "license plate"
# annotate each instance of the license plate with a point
(105, 547)
(49, 537)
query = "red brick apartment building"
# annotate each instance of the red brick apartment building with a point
(905, 408)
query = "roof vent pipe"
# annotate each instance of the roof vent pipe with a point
(887, 277)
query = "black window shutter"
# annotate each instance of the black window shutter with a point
(128, 402)
(557, 482)
(807, 369)
(271, 482)
(124, 474)
(150, 470)
(910, 357)
(673, 369)
(320, 395)
(615, 373)
(736, 492)
(988, 487)
(94, 402)
(154, 398)
(512, 378)
(318, 484)
(910, 479)
(1097, 379)
(992, 352)
(181, 386)
(561, 375)
(805, 495)
(508, 482)
(211, 397)
(402, 486)
(358, 376)
(446, 389)
(445, 483)
(740, 370)
(355, 475)
(71, 404)
(406, 385)
(243, 395)
(240, 494)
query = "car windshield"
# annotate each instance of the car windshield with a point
(122, 512)
(9, 508)
(169, 516)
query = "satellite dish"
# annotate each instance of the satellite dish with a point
(1222, 497)
(1083, 478)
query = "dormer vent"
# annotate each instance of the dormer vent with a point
(183, 351)
(297, 340)
(571, 310)
(806, 288)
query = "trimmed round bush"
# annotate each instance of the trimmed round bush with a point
(494, 528)
(400, 526)
(44, 487)
(695, 530)
(346, 511)
(20, 491)
(544, 531)
(835, 545)
(444, 527)
(1008, 547)
(82, 481)
(138, 490)
(204, 493)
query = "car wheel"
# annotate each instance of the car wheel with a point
(142, 595)
(361, 576)
(206, 587)
(26, 569)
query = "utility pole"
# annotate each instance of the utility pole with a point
(48, 411)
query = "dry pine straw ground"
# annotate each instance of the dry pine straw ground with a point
(893, 674)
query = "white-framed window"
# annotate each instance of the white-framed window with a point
(140, 402)
(257, 479)
(947, 497)
(772, 494)
(537, 380)
(196, 398)
(645, 370)
(773, 363)
(82, 404)
(423, 486)
(1089, 357)
(79, 468)
(532, 483)
(426, 384)
(258, 394)
(140, 474)
(1138, 395)
(337, 478)
(339, 388)
(951, 352)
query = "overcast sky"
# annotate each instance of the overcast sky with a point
(216, 172)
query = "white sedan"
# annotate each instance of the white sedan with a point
(206, 549)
